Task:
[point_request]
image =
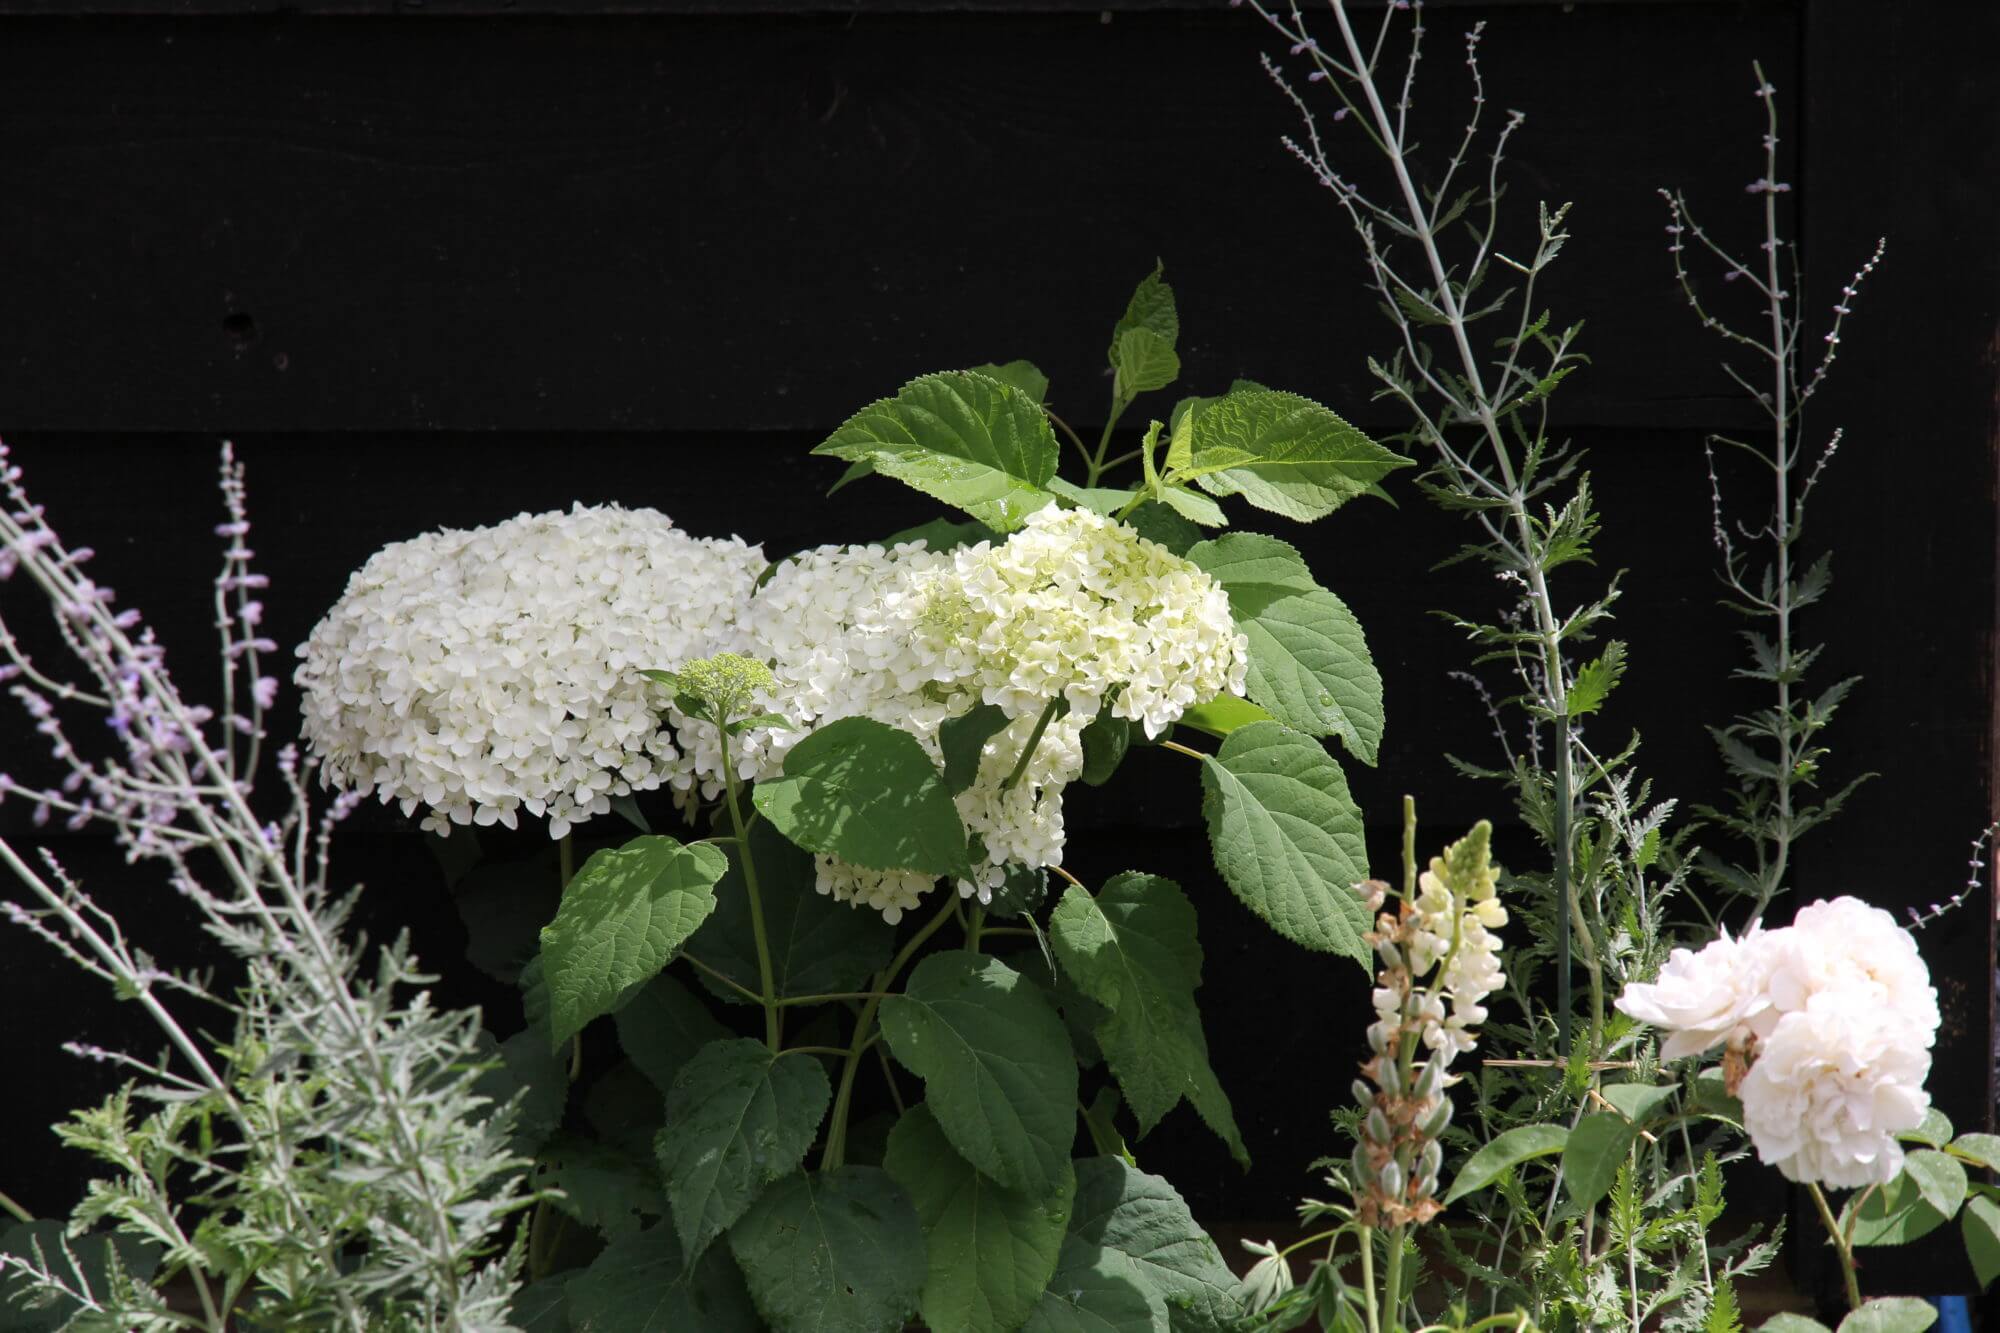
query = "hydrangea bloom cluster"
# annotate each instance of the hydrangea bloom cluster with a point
(1827, 1024)
(480, 673)
(1077, 605)
(1071, 607)
(484, 672)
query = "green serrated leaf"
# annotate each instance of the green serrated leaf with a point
(541, 1077)
(839, 1251)
(1105, 742)
(996, 1063)
(1287, 837)
(1157, 523)
(1595, 680)
(504, 905)
(621, 920)
(738, 1118)
(817, 946)
(1592, 1154)
(865, 792)
(1096, 1290)
(1309, 660)
(1934, 1130)
(965, 439)
(963, 741)
(991, 1250)
(1105, 500)
(1639, 1101)
(1980, 1225)
(1121, 1208)
(1020, 894)
(1895, 1214)
(641, 1284)
(1890, 1314)
(1222, 715)
(1981, 1148)
(1517, 1145)
(603, 1188)
(941, 534)
(1021, 374)
(1309, 461)
(1939, 1179)
(1133, 949)
(1151, 308)
(1144, 361)
(1194, 506)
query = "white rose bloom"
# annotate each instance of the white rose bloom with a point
(1832, 1085)
(1701, 999)
(1845, 946)
(486, 672)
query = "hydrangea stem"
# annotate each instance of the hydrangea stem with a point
(1840, 1246)
(1034, 739)
(774, 1031)
(836, 1134)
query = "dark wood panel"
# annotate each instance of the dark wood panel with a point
(285, 224)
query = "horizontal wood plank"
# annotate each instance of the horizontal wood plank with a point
(697, 224)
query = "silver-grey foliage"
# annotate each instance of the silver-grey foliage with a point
(332, 1160)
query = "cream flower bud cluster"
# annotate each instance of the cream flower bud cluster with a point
(481, 673)
(1455, 931)
(1836, 1014)
(1077, 605)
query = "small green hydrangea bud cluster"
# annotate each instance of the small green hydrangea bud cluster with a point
(723, 687)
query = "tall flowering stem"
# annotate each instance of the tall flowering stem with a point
(1774, 755)
(1439, 958)
(1484, 416)
(323, 1056)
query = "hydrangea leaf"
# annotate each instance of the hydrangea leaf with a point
(1120, 1208)
(818, 945)
(1152, 309)
(1309, 461)
(1157, 523)
(960, 437)
(1222, 715)
(992, 1250)
(542, 1307)
(1145, 361)
(941, 534)
(1194, 506)
(1105, 742)
(662, 1024)
(1105, 500)
(1287, 836)
(1133, 949)
(1309, 661)
(738, 1118)
(1592, 1153)
(1023, 375)
(867, 793)
(1096, 1290)
(603, 1188)
(839, 1251)
(1890, 1314)
(540, 1077)
(622, 918)
(642, 1284)
(962, 740)
(1517, 1145)
(996, 1063)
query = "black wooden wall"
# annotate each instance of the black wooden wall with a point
(437, 263)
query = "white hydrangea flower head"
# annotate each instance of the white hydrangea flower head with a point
(1072, 606)
(485, 672)
(1846, 946)
(1832, 1086)
(1702, 999)
(1078, 605)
